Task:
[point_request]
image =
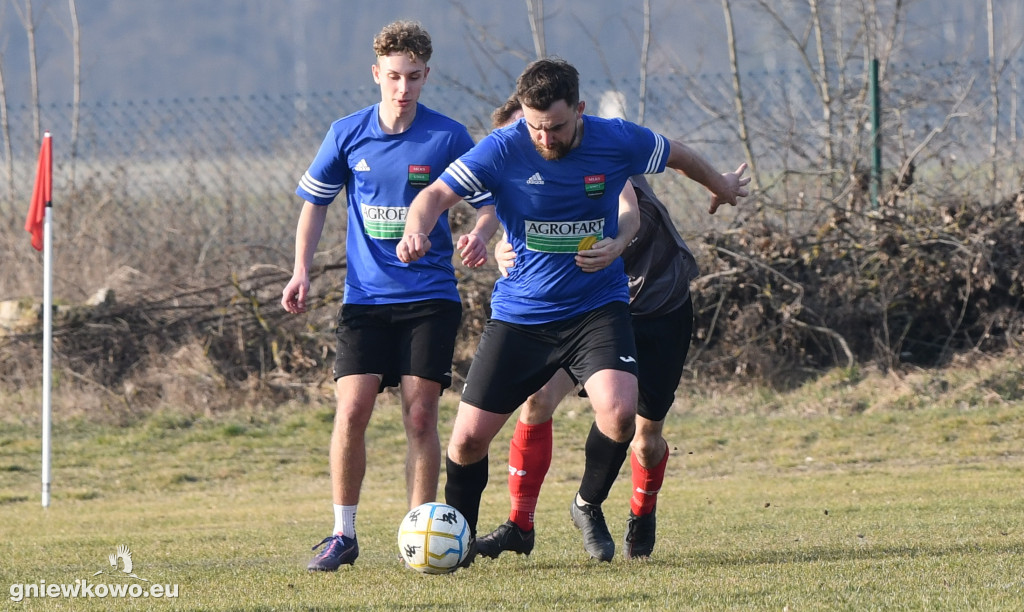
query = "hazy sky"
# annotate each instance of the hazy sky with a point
(135, 50)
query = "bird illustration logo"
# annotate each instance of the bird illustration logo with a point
(124, 554)
(123, 557)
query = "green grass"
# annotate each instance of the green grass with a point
(856, 492)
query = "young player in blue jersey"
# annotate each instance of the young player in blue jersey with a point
(398, 321)
(660, 267)
(556, 176)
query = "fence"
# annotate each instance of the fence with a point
(219, 173)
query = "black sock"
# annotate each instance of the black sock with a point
(604, 460)
(464, 487)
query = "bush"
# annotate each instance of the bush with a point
(902, 285)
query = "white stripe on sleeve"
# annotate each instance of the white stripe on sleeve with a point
(458, 171)
(478, 197)
(659, 151)
(318, 188)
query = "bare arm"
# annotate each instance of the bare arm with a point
(629, 216)
(603, 253)
(473, 246)
(725, 188)
(504, 255)
(307, 236)
(424, 211)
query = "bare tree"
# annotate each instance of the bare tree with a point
(27, 20)
(993, 73)
(5, 125)
(599, 52)
(738, 93)
(824, 88)
(1004, 44)
(76, 42)
(535, 13)
(799, 41)
(830, 45)
(644, 50)
(74, 35)
(1013, 111)
(487, 48)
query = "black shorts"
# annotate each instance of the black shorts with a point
(662, 343)
(513, 361)
(393, 340)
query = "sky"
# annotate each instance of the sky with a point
(197, 48)
(145, 50)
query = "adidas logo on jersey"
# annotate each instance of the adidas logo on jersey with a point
(362, 166)
(536, 179)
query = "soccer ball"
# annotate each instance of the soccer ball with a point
(433, 538)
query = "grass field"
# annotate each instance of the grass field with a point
(855, 492)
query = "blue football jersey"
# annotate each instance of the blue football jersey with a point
(381, 174)
(552, 209)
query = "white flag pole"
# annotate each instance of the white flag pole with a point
(47, 343)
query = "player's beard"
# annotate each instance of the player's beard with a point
(557, 150)
(554, 152)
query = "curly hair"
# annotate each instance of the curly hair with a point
(407, 37)
(547, 81)
(502, 115)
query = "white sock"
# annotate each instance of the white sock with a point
(345, 520)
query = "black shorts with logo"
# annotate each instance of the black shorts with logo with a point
(513, 361)
(393, 340)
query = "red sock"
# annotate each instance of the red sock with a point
(529, 457)
(646, 484)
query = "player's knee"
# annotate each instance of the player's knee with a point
(623, 415)
(624, 430)
(351, 415)
(648, 448)
(420, 422)
(616, 426)
(466, 450)
(537, 409)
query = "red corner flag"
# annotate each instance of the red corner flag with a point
(41, 194)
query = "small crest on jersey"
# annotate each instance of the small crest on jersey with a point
(419, 175)
(594, 185)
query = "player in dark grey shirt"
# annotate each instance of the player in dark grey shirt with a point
(660, 267)
(659, 264)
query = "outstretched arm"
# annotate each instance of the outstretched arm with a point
(421, 219)
(725, 188)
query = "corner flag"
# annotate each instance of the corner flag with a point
(39, 224)
(41, 194)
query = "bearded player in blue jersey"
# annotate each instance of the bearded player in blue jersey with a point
(556, 176)
(398, 321)
(660, 267)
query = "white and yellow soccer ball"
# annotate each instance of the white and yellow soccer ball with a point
(433, 538)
